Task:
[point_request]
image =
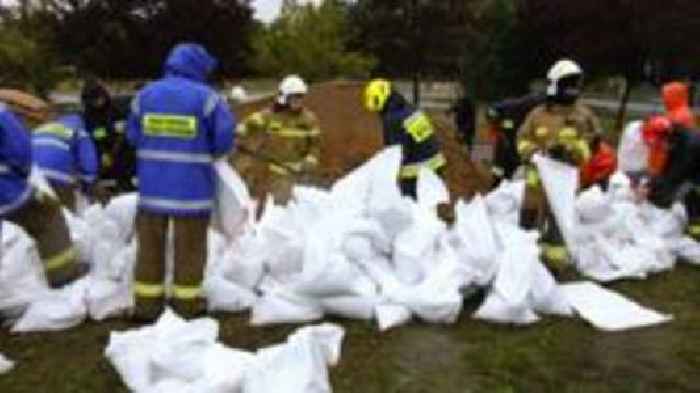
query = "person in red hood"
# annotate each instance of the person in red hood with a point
(676, 101)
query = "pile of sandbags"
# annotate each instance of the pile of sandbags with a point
(174, 355)
(357, 250)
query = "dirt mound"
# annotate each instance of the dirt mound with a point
(351, 135)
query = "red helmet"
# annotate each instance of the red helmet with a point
(656, 130)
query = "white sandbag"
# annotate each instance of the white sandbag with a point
(391, 315)
(299, 365)
(497, 309)
(547, 295)
(610, 311)
(22, 278)
(687, 249)
(6, 365)
(233, 201)
(225, 295)
(276, 309)
(57, 310)
(431, 190)
(122, 211)
(560, 182)
(505, 202)
(224, 370)
(632, 152)
(107, 298)
(180, 350)
(352, 307)
(434, 305)
(475, 239)
(37, 180)
(243, 263)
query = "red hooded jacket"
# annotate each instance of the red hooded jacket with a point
(675, 95)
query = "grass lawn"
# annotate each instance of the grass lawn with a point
(555, 355)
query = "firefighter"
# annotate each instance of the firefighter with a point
(104, 119)
(285, 137)
(562, 128)
(66, 155)
(408, 127)
(179, 126)
(504, 119)
(36, 211)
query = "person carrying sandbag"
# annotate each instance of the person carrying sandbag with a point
(562, 128)
(35, 211)
(179, 126)
(408, 127)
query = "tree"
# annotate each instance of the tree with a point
(308, 40)
(622, 38)
(130, 38)
(27, 61)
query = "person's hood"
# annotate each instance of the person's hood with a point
(190, 61)
(675, 95)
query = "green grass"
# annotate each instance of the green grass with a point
(555, 355)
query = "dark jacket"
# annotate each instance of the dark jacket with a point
(412, 130)
(683, 166)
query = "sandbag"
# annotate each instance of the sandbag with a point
(234, 206)
(6, 365)
(609, 311)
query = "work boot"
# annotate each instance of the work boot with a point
(190, 309)
(147, 310)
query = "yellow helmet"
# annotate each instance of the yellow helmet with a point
(377, 93)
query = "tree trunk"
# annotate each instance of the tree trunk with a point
(622, 111)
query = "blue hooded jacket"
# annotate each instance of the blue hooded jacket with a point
(65, 152)
(178, 126)
(15, 162)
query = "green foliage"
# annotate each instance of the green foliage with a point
(310, 41)
(495, 64)
(26, 61)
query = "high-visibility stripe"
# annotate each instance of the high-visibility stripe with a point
(171, 126)
(4, 169)
(26, 194)
(135, 105)
(532, 177)
(56, 143)
(87, 178)
(210, 104)
(148, 291)
(411, 170)
(419, 127)
(296, 133)
(57, 129)
(188, 292)
(173, 204)
(53, 174)
(189, 158)
(555, 253)
(279, 170)
(525, 147)
(62, 260)
(694, 230)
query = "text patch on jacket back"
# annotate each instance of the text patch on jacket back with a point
(170, 126)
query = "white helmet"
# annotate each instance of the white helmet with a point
(291, 85)
(238, 93)
(562, 69)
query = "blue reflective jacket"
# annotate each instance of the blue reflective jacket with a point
(64, 152)
(15, 162)
(178, 125)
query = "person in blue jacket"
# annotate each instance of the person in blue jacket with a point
(179, 126)
(34, 211)
(66, 156)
